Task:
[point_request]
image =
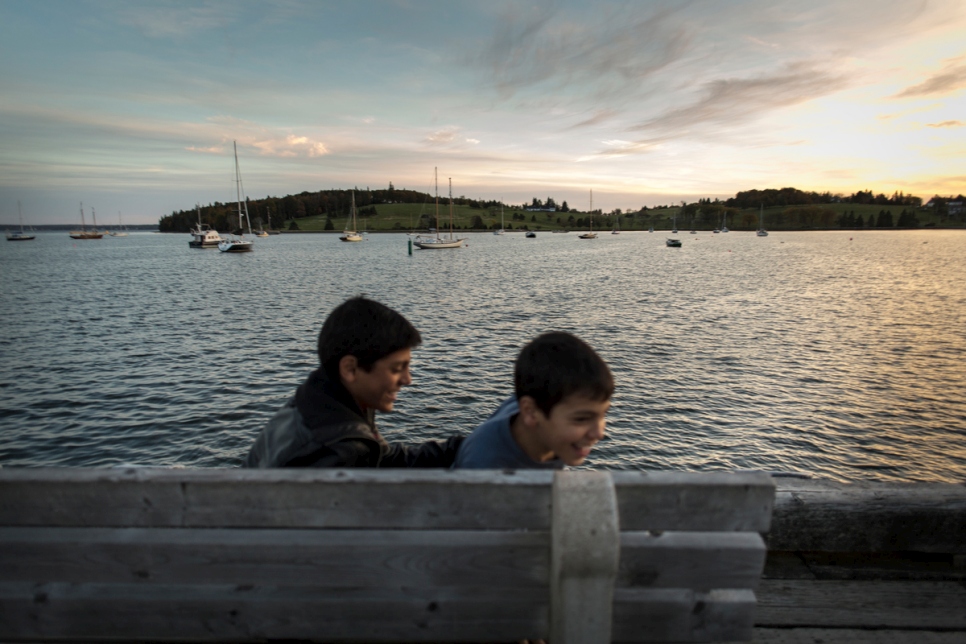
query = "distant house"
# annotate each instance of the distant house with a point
(954, 207)
(529, 209)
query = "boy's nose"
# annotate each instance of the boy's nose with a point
(407, 378)
(597, 431)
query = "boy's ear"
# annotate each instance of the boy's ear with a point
(529, 411)
(348, 365)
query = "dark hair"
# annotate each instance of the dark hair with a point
(365, 329)
(558, 364)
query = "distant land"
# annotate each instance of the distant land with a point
(393, 209)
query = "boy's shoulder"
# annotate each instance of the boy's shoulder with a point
(491, 445)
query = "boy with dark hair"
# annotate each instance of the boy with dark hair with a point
(563, 390)
(364, 353)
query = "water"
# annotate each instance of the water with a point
(833, 354)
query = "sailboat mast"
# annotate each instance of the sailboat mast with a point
(20, 214)
(436, 189)
(591, 210)
(451, 207)
(83, 223)
(94, 216)
(238, 186)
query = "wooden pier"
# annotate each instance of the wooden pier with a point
(864, 562)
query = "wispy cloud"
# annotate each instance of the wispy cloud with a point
(731, 102)
(451, 136)
(291, 146)
(951, 79)
(541, 47)
(175, 19)
(946, 124)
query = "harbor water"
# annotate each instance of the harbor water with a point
(830, 354)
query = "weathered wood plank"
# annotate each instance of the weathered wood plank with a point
(689, 501)
(244, 614)
(341, 498)
(681, 615)
(861, 604)
(868, 517)
(585, 553)
(698, 560)
(285, 557)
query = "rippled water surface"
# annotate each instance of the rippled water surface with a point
(835, 354)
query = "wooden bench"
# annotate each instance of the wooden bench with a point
(379, 556)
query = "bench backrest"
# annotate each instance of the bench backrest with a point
(353, 555)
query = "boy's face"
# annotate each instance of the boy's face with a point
(574, 426)
(377, 388)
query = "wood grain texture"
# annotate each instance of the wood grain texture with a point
(698, 560)
(690, 501)
(214, 613)
(827, 516)
(682, 615)
(861, 604)
(341, 498)
(285, 557)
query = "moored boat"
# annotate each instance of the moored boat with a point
(238, 243)
(19, 235)
(83, 233)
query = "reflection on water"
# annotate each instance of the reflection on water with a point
(832, 354)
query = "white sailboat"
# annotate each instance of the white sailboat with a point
(426, 242)
(350, 234)
(121, 230)
(19, 235)
(724, 222)
(591, 234)
(761, 222)
(502, 225)
(239, 243)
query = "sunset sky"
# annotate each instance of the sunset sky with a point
(132, 106)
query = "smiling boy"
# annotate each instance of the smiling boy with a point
(364, 351)
(563, 390)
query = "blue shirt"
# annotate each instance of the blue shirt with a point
(491, 445)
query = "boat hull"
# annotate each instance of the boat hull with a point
(86, 235)
(19, 237)
(236, 246)
(436, 244)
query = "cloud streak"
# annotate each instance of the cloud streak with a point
(950, 80)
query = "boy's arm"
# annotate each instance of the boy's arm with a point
(428, 454)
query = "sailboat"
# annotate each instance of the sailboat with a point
(83, 233)
(238, 243)
(19, 235)
(121, 230)
(204, 236)
(761, 222)
(350, 234)
(724, 222)
(674, 224)
(427, 242)
(591, 234)
(502, 225)
(617, 226)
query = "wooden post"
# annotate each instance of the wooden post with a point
(585, 551)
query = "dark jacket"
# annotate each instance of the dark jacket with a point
(321, 426)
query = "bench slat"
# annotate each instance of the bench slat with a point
(287, 557)
(147, 497)
(686, 501)
(681, 615)
(214, 613)
(697, 560)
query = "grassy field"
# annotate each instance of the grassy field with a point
(420, 217)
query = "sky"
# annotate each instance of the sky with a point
(132, 107)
